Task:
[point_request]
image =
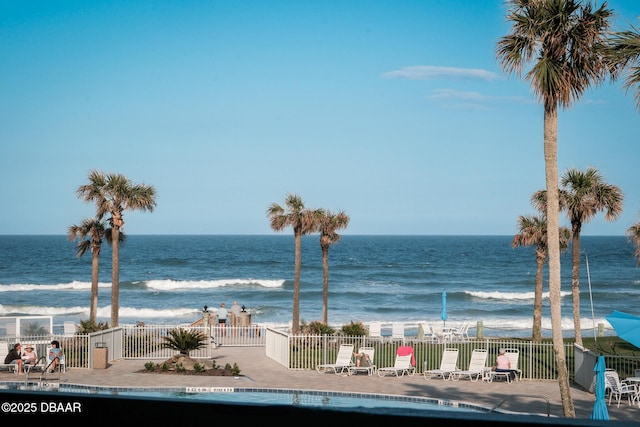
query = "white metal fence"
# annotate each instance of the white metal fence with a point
(146, 342)
(305, 352)
(536, 360)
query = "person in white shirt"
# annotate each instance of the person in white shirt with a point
(222, 315)
(235, 314)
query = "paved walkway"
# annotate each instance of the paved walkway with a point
(259, 371)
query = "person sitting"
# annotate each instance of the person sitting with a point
(503, 364)
(14, 358)
(54, 355)
(29, 357)
(362, 359)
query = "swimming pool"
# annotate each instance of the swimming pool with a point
(265, 396)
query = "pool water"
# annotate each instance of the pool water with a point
(263, 396)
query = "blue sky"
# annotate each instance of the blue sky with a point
(395, 112)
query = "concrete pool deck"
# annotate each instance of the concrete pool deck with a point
(259, 371)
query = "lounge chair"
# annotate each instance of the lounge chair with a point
(397, 332)
(477, 366)
(70, 328)
(343, 361)
(404, 363)
(37, 362)
(375, 331)
(440, 335)
(39, 366)
(461, 334)
(4, 350)
(367, 366)
(448, 365)
(514, 355)
(62, 364)
(616, 387)
(422, 336)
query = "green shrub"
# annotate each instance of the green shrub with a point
(316, 328)
(89, 326)
(354, 329)
(150, 366)
(184, 341)
(235, 370)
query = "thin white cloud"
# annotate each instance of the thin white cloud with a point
(455, 94)
(426, 72)
(451, 94)
(455, 99)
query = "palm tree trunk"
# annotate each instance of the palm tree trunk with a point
(295, 321)
(537, 300)
(95, 267)
(115, 276)
(575, 283)
(325, 285)
(553, 242)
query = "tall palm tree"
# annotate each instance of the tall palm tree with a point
(532, 231)
(585, 194)
(303, 222)
(95, 230)
(633, 233)
(624, 52)
(328, 223)
(113, 194)
(562, 40)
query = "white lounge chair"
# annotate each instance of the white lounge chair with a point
(343, 361)
(397, 332)
(461, 333)
(404, 364)
(617, 388)
(477, 366)
(370, 367)
(514, 356)
(70, 328)
(375, 330)
(440, 335)
(38, 366)
(448, 365)
(62, 363)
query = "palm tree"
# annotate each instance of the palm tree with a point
(633, 233)
(95, 231)
(184, 341)
(113, 194)
(532, 231)
(562, 39)
(303, 222)
(585, 194)
(327, 224)
(624, 52)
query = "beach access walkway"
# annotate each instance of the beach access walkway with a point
(259, 371)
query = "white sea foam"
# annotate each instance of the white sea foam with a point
(8, 310)
(160, 285)
(510, 295)
(171, 285)
(71, 286)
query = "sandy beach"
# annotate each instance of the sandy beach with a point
(259, 371)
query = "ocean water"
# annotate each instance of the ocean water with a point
(167, 280)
